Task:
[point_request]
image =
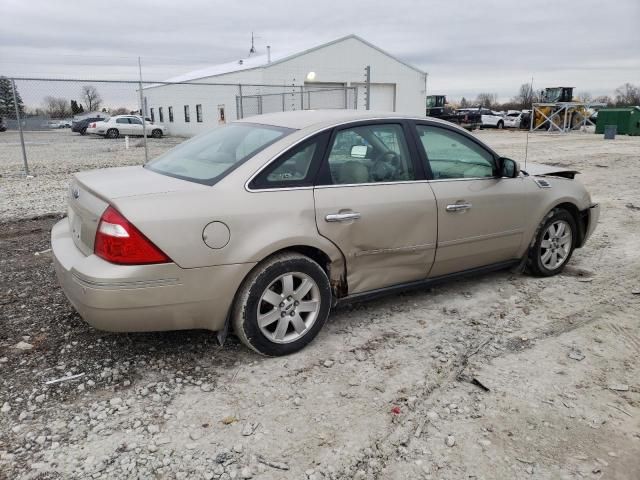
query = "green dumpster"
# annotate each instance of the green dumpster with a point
(626, 119)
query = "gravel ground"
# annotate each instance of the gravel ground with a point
(52, 157)
(390, 389)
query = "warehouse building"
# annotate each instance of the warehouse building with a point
(331, 75)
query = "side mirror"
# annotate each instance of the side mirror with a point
(509, 168)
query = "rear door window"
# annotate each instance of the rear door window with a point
(370, 154)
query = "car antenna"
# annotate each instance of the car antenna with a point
(531, 118)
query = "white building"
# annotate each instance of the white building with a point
(331, 75)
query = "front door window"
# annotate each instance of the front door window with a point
(452, 155)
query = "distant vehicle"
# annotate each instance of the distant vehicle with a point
(125, 125)
(488, 118)
(437, 107)
(513, 119)
(80, 126)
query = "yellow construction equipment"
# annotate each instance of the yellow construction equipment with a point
(557, 111)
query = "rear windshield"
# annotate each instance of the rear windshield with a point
(208, 157)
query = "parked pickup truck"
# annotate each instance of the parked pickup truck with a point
(437, 107)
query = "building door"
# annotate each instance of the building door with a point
(383, 96)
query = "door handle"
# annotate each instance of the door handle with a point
(458, 207)
(342, 217)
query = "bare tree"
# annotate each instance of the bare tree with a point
(487, 100)
(605, 99)
(464, 103)
(120, 111)
(584, 96)
(57, 107)
(525, 97)
(91, 98)
(627, 94)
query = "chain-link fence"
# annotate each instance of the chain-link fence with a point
(53, 125)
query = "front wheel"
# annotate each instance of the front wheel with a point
(500, 125)
(282, 305)
(157, 133)
(83, 131)
(554, 245)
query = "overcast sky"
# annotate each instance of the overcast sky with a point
(466, 46)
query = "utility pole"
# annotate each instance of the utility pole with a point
(142, 112)
(367, 86)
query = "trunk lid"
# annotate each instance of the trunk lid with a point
(91, 192)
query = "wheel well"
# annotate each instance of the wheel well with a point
(578, 218)
(313, 253)
(338, 280)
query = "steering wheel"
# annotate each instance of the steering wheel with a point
(387, 166)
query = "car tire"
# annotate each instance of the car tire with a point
(500, 125)
(554, 244)
(83, 131)
(282, 304)
(157, 133)
(112, 133)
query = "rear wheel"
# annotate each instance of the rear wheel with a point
(554, 244)
(113, 133)
(157, 133)
(282, 305)
(500, 125)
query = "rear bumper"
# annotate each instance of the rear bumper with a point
(146, 297)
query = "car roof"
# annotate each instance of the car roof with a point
(300, 119)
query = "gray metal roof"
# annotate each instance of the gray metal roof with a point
(261, 61)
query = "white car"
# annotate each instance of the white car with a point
(513, 118)
(120, 125)
(488, 117)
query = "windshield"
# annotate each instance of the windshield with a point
(209, 156)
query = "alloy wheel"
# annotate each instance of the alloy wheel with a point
(556, 243)
(288, 307)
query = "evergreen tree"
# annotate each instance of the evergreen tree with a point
(7, 107)
(76, 108)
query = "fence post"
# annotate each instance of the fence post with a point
(142, 112)
(24, 150)
(301, 97)
(345, 98)
(241, 101)
(284, 109)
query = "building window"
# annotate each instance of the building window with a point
(170, 114)
(187, 117)
(153, 117)
(160, 115)
(199, 113)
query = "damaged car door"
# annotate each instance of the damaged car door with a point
(370, 202)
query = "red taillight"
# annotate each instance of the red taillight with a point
(93, 125)
(118, 241)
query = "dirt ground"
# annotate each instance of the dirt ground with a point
(391, 389)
